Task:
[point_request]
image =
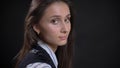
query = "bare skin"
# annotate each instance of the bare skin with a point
(55, 25)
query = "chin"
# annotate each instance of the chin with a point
(62, 43)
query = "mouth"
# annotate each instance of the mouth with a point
(62, 37)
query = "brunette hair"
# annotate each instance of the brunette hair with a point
(35, 13)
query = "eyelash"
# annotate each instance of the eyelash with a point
(56, 21)
(67, 20)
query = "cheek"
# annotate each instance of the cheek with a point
(51, 31)
(69, 27)
(51, 34)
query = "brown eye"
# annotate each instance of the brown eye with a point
(67, 20)
(54, 21)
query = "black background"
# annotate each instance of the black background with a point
(97, 31)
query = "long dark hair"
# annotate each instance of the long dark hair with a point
(36, 11)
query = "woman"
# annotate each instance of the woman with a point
(48, 35)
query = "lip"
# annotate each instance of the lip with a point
(63, 37)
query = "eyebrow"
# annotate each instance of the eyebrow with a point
(59, 16)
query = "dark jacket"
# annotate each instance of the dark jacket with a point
(36, 54)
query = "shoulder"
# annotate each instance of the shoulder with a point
(38, 65)
(33, 58)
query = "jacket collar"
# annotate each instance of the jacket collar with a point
(47, 48)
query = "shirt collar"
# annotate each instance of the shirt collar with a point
(49, 51)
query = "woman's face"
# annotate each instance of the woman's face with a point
(55, 24)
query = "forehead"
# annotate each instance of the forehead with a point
(57, 8)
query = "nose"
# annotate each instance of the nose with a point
(64, 28)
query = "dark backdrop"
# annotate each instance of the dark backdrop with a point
(96, 27)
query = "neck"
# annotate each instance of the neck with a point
(53, 47)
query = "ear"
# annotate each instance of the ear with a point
(36, 28)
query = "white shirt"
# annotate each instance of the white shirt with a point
(44, 65)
